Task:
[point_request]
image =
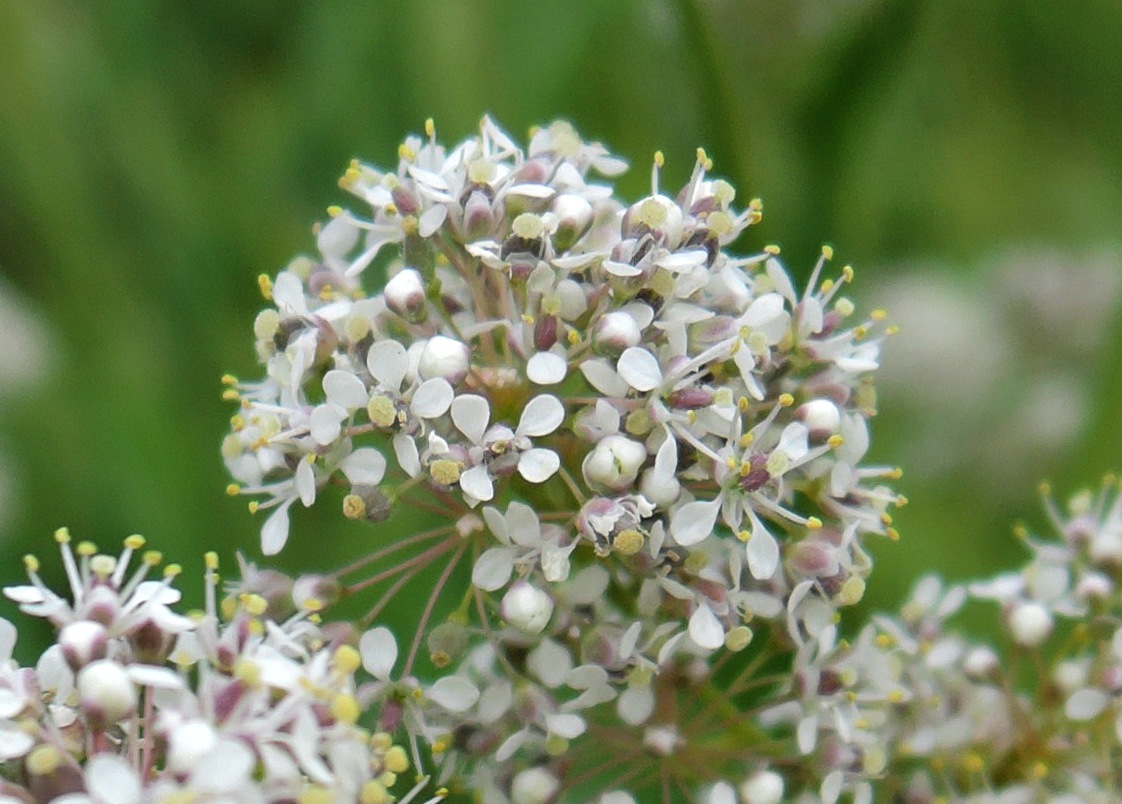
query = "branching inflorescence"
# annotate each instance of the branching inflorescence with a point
(644, 458)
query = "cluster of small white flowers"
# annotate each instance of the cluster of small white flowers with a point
(135, 703)
(648, 448)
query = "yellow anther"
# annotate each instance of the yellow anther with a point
(743, 535)
(312, 604)
(354, 507)
(396, 760)
(442, 792)
(884, 641)
(659, 159)
(1039, 770)
(896, 696)
(172, 570)
(893, 534)
(861, 723)
(835, 441)
(134, 542)
(231, 395)
(742, 404)
(315, 794)
(233, 489)
(62, 535)
(265, 285)
(892, 329)
(886, 519)
(445, 471)
(745, 468)
(345, 709)
(334, 211)
(152, 558)
(813, 523)
(1044, 488)
(390, 208)
(731, 463)
(347, 659)
(255, 627)
(247, 671)
(86, 548)
(210, 560)
(30, 563)
(527, 319)
(43, 759)
(895, 473)
(253, 506)
(254, 605)
(440, 745)
(747, 439)
(901, 500)
(828, 252)
(827, 285)
(860, 331)
(879, 314)
(229, 379)
(756, 204)
(772, 249)
(628, 542)
(573, 337)
(405, 152)
(786, 400)
(374, 792)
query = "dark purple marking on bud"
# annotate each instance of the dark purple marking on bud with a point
(545, 332)
(150, 643)
(405, 201)
(757, 475)
(829, 682)
(691, 398)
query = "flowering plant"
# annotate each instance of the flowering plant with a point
(645, 461)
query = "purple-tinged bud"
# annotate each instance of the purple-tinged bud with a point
(617, 331)
(545, 332)
(106, 693)
(82, 642)
(757, 475)
(444, 357)
(574, 215)
(405, 295)
(690, 398)
(315, 592)
(324, 279)
(150, 643)
(405, 200)
(479, 216)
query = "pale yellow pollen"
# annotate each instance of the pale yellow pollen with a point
(813, 523)
(345, 709)
(30, 563)
(253, 506)
(334, 211)
(528, 226)
(354, 507)
(233, 489)
(772, 249)
(659, 159)
(134, 542)
(382, 411)
(628, 542)
(102, 565)
(347, 659)
(86, 548)
(835, 441)
(265, 285)
(786, 400)
(828, 252)
(43, 759)
(152, 557)
(210, 560)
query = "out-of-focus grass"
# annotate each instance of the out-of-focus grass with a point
(155, 157)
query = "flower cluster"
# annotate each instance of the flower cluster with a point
(644, 442)
(645, 460)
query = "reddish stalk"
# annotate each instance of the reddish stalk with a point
(427, 613)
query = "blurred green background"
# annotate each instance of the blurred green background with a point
(156, 157)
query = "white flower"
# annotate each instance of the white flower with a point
(526, 607)
(614, 463)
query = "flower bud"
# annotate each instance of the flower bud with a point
(662, 491)
(574, 214)
(616, 331)
(1030, 623)
(821, 417)
(82, 642)
(656, 214)
(614, 462)
(526, 607)
(106, 693)
(479, 216)
(444, 357)
(762, 787)
(188, 743)
(534, 786)
(980, 662)
(405, 294)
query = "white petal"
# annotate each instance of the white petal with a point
(223, 770)
(546, 368)
(364, 466)
(288, 293)
(344, 389)
(431, 220)
(763, 310)
(523, 524)
(639, 369)
(550, 663)
(378, 649)
(694, 521)
(408, 458)
(763, 554)
(636, 704)
(538, 465)
(493, 568)
(682, 260)
(338, 236)
(621, 268)
(274, 533)
(471, 414)
(387, 363)
(565, 725)
(476, 482)
(14, 742)
(432, 398)
(111, 779)
(603, 377)
(147, 675)
(541, 416)
(705, 629)
(325, 423)
(1086, 704)
(305, 483)
(454, 693)
(531, 190)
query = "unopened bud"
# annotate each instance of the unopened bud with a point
(534, 786)
(405, 294)
(1030, 623)
(526, 607)
(444, 357)
(106, 693)
(616, 331)
(762, 787)
(614, 462)
(188, 743)
(574, 214)
(82, 642)
(821, 417)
